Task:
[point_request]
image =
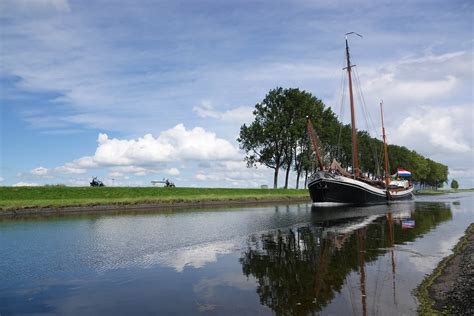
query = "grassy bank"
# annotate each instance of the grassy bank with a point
(434, 192)
(422, 292)
(36, 197)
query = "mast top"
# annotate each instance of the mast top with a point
(353, 33)
(347, 49)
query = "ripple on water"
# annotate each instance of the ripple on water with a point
(226, 258)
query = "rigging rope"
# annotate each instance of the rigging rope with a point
(367, 118)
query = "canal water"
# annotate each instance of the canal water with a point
(284, 259)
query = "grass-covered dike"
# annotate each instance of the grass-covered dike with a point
(436, 192)
(12, 198)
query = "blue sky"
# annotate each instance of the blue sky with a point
(140, 90)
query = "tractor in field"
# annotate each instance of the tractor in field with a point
(97, 183)
(165, 182)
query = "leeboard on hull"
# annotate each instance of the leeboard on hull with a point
(330, 187)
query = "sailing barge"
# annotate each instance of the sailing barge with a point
(334, 184)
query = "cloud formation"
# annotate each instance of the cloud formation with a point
(239, 115)
(28, 6)
(433, 130)
(427, 80)
(70, 68)
(149, 154)
(40, 171)
(234, 173)
(174, 144)
(26, 184)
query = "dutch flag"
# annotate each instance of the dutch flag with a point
(408, 223)
(403, 173)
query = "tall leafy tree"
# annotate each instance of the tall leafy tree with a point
(264, 140)
(277, 136)
(454, 184)
(299, 105)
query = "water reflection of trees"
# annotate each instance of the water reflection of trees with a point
(300, 270)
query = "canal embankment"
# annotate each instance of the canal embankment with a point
(46, 201)
(438, 192)
(449, 289)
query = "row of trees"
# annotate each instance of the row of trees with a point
(277, 138)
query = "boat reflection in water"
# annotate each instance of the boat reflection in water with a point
(302, 269)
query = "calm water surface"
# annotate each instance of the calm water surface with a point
(294, 259)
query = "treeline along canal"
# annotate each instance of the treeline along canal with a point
(283, 259)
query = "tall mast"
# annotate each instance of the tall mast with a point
(355, 159)
(385, 152)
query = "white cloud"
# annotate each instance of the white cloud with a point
(40, 171)
(435, 129)
(116, 174)
(461, 172)
(67, 168)
(201, 176)
(444, 134)
(235, 173)
(306, 70)
(82, 163)
(26, 184)
(122, 171)
(464, 176)
(432, 65)
(172, 172)
(413, 90)
(28, 6)
(2, 179)
(239, 115)
(408, 81)
(78, 182)
(174, 144)
(148, 154)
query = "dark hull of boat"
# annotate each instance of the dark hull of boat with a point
(337, 189)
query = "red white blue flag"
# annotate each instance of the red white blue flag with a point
(403, 173)
(408, 223)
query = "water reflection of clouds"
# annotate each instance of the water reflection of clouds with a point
(422, 262)
(146, 241)
(446, 245)
(207, 288)
(196, 256)
(352, 226)
(425, 255)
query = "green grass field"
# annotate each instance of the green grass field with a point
(22, 197)
(434, 192)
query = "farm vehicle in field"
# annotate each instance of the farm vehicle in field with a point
(97, 183)
(166, 183)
